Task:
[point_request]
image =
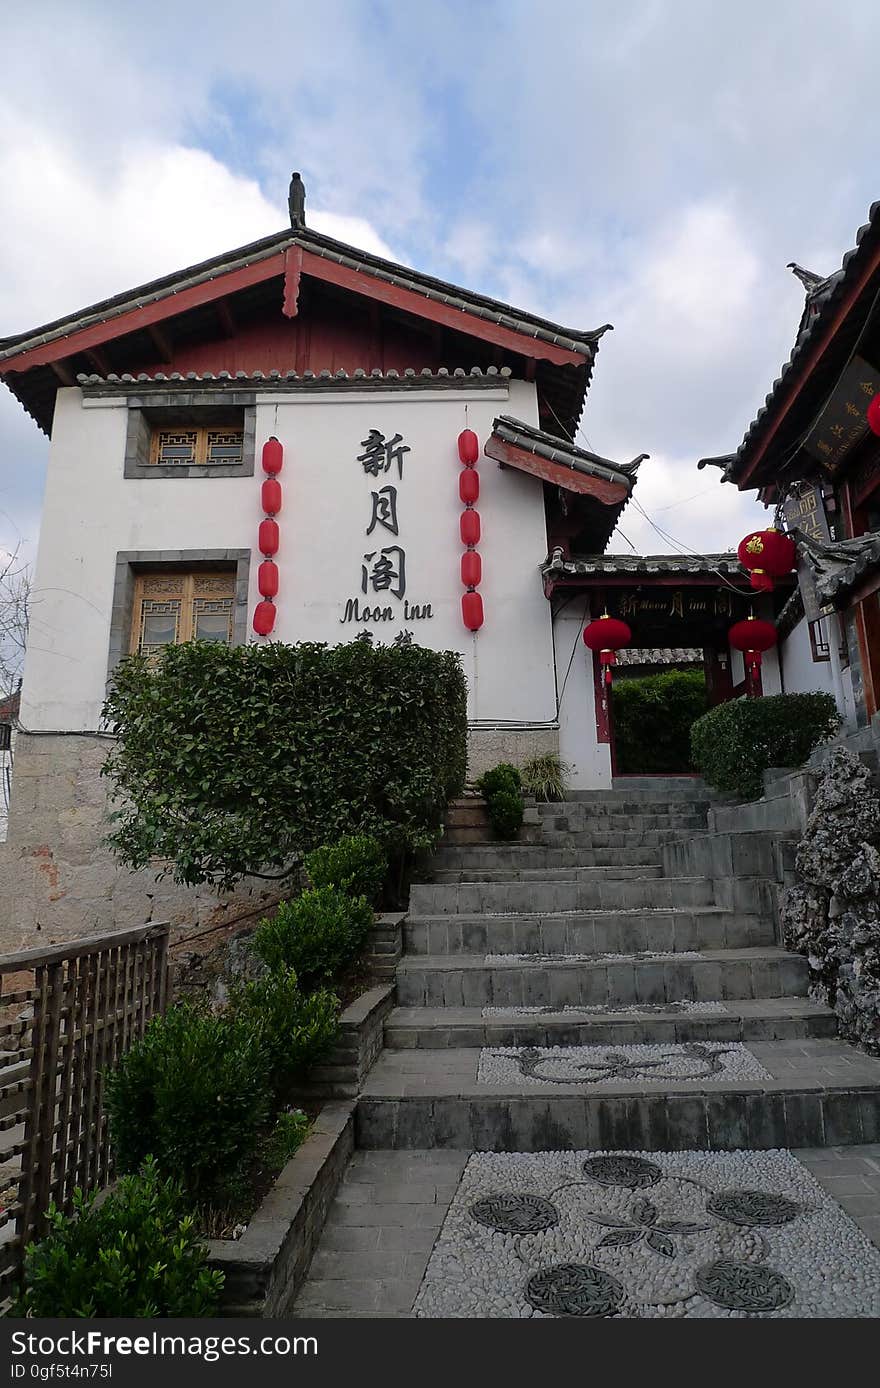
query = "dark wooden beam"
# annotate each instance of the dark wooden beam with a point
(227, 320)
(161, 341)
(63, 372)
(605, 490)
(99, 361)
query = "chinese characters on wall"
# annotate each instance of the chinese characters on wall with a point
(843, 422)
(383, 566)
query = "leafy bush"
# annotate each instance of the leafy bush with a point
(506, 814)
(653, 718)
(134, 1254)
(290, 1132)
(292, 1030)
(735, 743)
(318, 935)
(356, 864)
(194, 1092)
(229, 762)
(545, 777)
(501, 788)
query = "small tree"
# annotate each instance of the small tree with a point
(15, 592)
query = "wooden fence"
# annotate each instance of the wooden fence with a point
(67, 1014)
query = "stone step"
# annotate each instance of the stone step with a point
(468, 898)
(468, 980)
(601, 809)
(578, 820)
(820, 1093)
(586, 839)
(464, 834)
(586, 932)
(738, 1019)
(645, 872)
(667, 786)
(521, 855)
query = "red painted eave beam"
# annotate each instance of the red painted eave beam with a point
(134, 319)
(813, 358)
(459, 320)
(607, 492)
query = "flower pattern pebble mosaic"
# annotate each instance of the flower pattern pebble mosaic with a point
(700, 1063)
(647, 1235)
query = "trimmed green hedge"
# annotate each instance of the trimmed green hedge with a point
(653, 716)
(230, 762)
(735, 743)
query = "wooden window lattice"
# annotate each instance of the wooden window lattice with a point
(196, 447)
(181, 607)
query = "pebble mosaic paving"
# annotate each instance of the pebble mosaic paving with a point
(701, 1063)
(647, 1235)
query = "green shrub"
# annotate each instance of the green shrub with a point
(318, 935)
(232, 761)
(501, 788)
(290, 1132)
(653, 718)
(194, 1092)
(735, 743)
(501, 777)
(356, 864)
(506, 813)
(545, 777)
(134, 1254)
(293, 1030)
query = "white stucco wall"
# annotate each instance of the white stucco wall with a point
(589, 761)
(802, 674)
(91, 512)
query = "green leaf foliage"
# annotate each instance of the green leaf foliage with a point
(136, 1253)
(501, 788)
(653, 717)
(293, 1030)
(318, 935)
(356, 864)
(195, 1093)
(229, 762)
(735, 743)
(545, 777)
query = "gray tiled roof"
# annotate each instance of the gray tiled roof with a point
(639, 565)
(480, 305)
(361, 379)
(822, 302)
(556, 450)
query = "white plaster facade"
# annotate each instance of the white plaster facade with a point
(91, 513)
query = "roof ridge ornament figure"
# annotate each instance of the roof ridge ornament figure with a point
(296, 202)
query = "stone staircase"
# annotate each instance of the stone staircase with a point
(575, 936)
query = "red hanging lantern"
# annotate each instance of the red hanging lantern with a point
(469, 485)
(471, 568)
(472, 611)
(273, 456)
(269, 536)
(267, 578)
(468, 447)
(270, 496)
(264, 618)
(606, 635)
(752, 637)
(872, 414)
(470, 527)
(768, 554)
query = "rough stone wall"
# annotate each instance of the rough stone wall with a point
(489, 746)
(832, 911)
(59, 881)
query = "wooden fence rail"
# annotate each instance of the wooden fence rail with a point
(67, 1014)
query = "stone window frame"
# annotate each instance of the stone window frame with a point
(130, 563)
(171, 409)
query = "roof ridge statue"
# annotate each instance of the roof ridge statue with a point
(296, 202)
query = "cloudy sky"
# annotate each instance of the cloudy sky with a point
(650, 163)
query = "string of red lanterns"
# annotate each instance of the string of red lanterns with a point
(269, 538)
(469, 527)
(606, 635)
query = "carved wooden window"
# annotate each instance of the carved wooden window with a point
(174, 607)
(818, 642)
(185, 447)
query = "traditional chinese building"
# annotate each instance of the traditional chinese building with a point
(812, 453)
(266, 446)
